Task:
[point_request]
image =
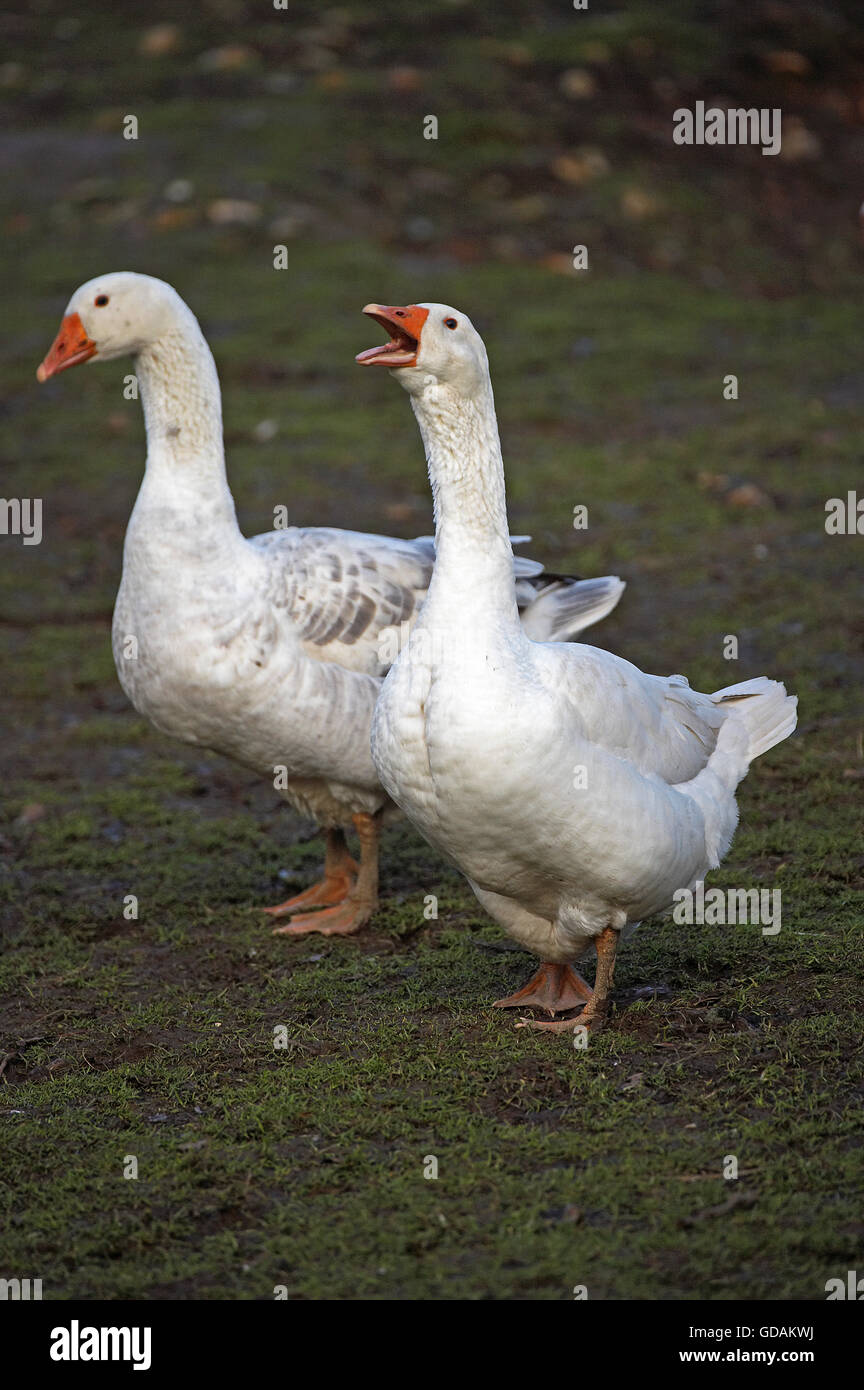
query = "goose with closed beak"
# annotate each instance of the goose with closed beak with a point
(575, 792)
(270, 650)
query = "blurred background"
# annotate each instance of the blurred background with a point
(305, 123)
(304, 127)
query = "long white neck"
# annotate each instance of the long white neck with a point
(185, 478)
(474, 557)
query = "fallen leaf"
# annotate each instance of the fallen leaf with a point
(161, 40)
(231, 57)
(404, 79)
(798, 142)
(233, 212)
(637, 204)
(578, 84)
(748, 495)
(582, 166)
(786, 60)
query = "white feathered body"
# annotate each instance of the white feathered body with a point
(574, 791)
(218, 662)
(523, 770)
(270, 650)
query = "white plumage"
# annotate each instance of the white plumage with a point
(575, 792)
(270, 650)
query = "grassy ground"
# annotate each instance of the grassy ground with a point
(154, 1038)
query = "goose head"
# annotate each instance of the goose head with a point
(115, 315)
(429, 344)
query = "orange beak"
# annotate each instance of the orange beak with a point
(404, 324)
(70, 347)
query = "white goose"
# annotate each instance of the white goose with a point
(575, 792)
(270, 650)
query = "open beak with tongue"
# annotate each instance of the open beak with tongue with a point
(69, 347)
(404, 326)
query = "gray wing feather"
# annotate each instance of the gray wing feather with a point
(343, 589)
(353, 596)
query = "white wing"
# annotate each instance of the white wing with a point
(656, 723)
(353, 597)
(343, 589)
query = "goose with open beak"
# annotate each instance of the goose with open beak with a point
(269, 649)
(576, 793)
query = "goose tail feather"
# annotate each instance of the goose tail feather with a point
(770, 715)
(555, 608)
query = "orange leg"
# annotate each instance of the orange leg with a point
(359, 903)
(555, 988)
(594, 1013)
(340, 875)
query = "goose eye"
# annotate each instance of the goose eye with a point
(101, 300)
(451, 323)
